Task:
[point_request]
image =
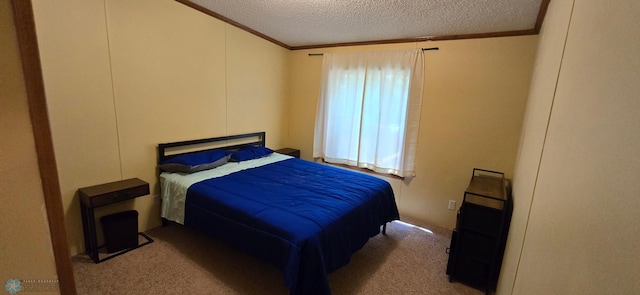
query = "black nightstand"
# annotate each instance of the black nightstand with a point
(102, 195)
(289, 152)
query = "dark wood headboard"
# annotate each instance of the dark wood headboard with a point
(231, 142)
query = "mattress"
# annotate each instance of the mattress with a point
(305, 218)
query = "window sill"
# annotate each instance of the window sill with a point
(359, 169)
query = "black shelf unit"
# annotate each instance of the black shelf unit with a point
(479, 239)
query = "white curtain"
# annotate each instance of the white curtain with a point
(369, 110)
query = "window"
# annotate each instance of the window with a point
(369, 110)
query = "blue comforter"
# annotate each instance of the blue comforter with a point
(305, 218)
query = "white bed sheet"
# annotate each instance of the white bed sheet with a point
(173, 186)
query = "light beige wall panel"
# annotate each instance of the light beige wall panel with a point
(473, 104)
(306, 80)
(474, 99)
(582, 236)
(74, 53)
(534, 129)
(168, 64)
(26, 250)
(257, 88)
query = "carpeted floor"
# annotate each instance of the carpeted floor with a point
(407, 260)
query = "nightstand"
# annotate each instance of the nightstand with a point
(289, 152)
(105, 194)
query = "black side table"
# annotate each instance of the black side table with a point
(105, 194)
(289, 152)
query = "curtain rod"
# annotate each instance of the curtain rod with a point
(423, 49)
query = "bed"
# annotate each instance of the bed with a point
(305, 218)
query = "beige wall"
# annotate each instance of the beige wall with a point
(473, 104)
(77, 78)
(581, 235)
(123, 76)
(534, 129)
(25, 250)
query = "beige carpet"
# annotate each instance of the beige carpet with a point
(407, 260)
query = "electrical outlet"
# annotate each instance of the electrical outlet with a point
(452, 205)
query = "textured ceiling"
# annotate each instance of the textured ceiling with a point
(299, 23)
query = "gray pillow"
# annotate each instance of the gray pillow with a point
(191, 168)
